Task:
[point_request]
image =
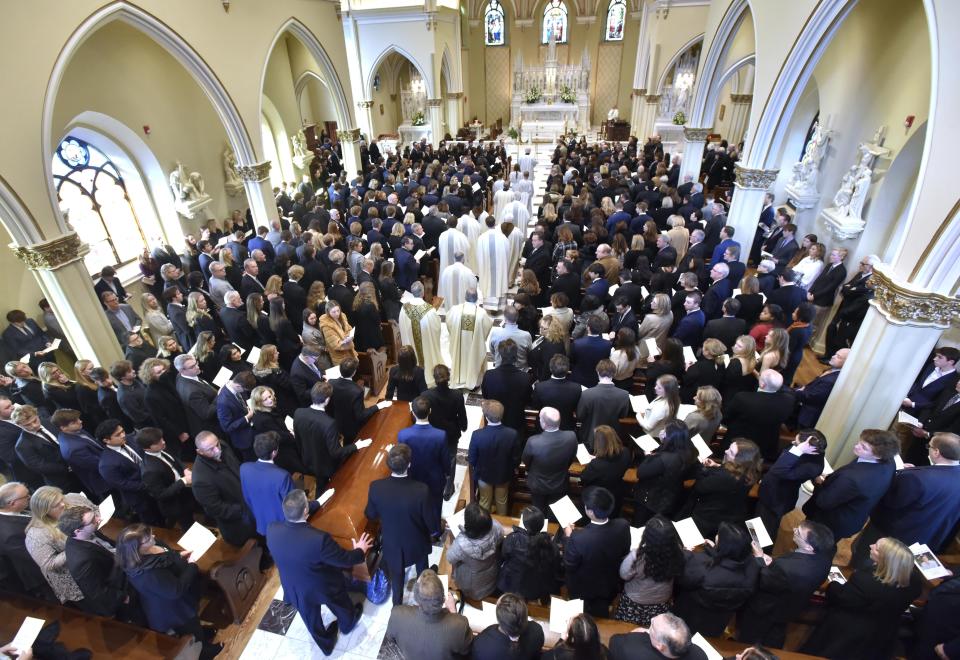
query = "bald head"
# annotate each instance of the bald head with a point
(770, 381)
(549, 419)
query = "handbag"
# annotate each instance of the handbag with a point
(378, 588)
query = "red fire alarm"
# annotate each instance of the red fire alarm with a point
(908, 122)
(146, 130)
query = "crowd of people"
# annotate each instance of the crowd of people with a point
(631, 281)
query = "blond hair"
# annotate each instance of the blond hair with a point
(42, 502)
(84, 381)
(894, 562)
(747, 356)
(713, 349)
(257, 396)
(709, 402)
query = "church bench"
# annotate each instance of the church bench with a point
(106, 638)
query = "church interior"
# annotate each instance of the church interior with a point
(135, 130)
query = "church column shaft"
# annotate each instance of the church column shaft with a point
(349, 140)
(744, 215)
(435, 116)
(694, 141)
(256, 183)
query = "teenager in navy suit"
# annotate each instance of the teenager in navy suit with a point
(81, 451)
(407, 268)
(493, 456)
(24, 337)
(402, 505)
(234, 413)
(846, 497)
(778, 490)
(587, 351)
(935, 378)
(789, 295)
(431, 458)
(689, 329)
(120, 467)
(264, 484)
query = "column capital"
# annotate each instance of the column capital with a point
(454, 95)
(757, 179)
(254, 171)
(696, 134)
(434, 103)
(901, 304)
(52, 254)
(741, 98)
(364, 104)
(348, 135)
(653, 99)
(639, 91)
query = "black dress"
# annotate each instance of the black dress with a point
(279, 381)
(390, 297)
(89, 407)
(62, 397)
(750, 306)
(288, 453)
(538, 357)
(608, 472)
(735, 381)
(702, 372)
(406, 390)
(367, 332)
(288, 343)
(717, 496)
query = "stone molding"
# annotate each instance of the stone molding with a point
(348, 135)
(455, 95)
(52, 254)
(653, 99)
(365, 104)
(434, 103)
(696, 134)
(254, 172)
(741, 98)
(756, 179)
(900, 303)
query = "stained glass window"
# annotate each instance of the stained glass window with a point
(616, 17)
(94, 198)
(495, 27)
(555, 22)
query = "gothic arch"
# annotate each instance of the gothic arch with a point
(676, 58)
(708, 83)
(15, 217)
(393, 48)
(171, 42)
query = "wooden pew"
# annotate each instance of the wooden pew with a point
(106, 638)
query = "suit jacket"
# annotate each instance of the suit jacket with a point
(118, 329)
(689, 329)
(231, 414)
(726, 329)
(173, 497)
(43, 457)
(813, 397)
(788, 297)
(824, 288)
(921, 506)
(494, 454)
(302, 379)
(319, 442)
(925, 396)
(539, 262)
(511, 387)
(585, 353)
(238, 328)
(548, 456)
(199, 401)
(15, 557)
(845, 499)
(82, 453)
(94, 569)
(602, 404)
(346, 406)
(637, 646)
(249, 284)
(780, 485)
(665, 257)
(758, 416)
(123, 475)
(712, 303)
(941, 417)
(178, 317)
(264, 486)
(625, 320)
(402, 505)
(20, 344)
(560, 393)
(166, 408)
(407, 269)
(295, 299)
(431, 458)
(592, 557)
(570, 285)
(216, 485)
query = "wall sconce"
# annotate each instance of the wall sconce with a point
(226, 5)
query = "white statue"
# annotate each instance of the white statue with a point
(806, 171)
(859, 196)
(186, 187)
(613, 114)
(232, 182)
(842, 199)
(299, 142)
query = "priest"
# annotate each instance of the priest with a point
(455, 280)
(525, 189)
(451, 242)
(515, 238)
(471, 225)
(468, 325)
(420, 328)
(516, 212)
(527, 162)
(501, 199)
(493, 262)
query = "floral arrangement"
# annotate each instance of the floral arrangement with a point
(679, 119)
(567, 95)
(418, 118)
(533, 95)
(513, 133)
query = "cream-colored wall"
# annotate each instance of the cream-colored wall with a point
(320, 101)
(681, 24)
(21, 290)
(278, 86)
(744, 42)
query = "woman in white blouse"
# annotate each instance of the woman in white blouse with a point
(663, 408)
(626, 358)
(655, 325)
(154, 320)
(810, 266)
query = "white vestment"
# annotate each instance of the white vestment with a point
(451, 242)
(527, 163)
(472, 229)
(516, 212)
(500, 202)
(455, 279)
(516, 241)
(468, 326)
(525, 188)
(493, 264)
(420, 328)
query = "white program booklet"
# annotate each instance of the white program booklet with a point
(455, 521)
(197, 540)
(222, 377)
(688, 532)
(384, 404)
(759, 533)
(332, 372)
(636, 535)
(612, 290)
(27, 635)
(927, 562)
(254, 355)
(566, 511)
(685, 409)
(703, 450)
(107, 508)
(639, 403)
(583, 455)
(836, 575)
(647, 443)
(688, 355)
(561, 611)
(907, 418)
(708, 650)
(288, 421)
(652, 347)
(325, 497)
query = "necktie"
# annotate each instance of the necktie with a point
(26, 330)
(49, 436)
(954, 400)
(240, 399)
(169, 461)
(132, 455)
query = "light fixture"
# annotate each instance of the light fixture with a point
(226, 5)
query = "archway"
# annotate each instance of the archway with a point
(276, 144)
(398, 85)
(703, 106)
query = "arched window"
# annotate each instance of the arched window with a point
(555, 22)
(94, 198)
(495, 27)
(616, 17)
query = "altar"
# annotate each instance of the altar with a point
(410, 133)
(548, 121)
(560, 95)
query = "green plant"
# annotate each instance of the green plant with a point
(513, 133)
(418, 118)
(567, 95)
(679, 119)
(533, 95)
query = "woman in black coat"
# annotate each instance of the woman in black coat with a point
(708, 370)
(259, 320)
(389, 293)
(611, 461)
(165, 406)
(669, 362)
(406, 379)
(269, 374)
(232, 359)
(529, 559)
(863, 615)
(721, 493)
(553, 340)
(366, 319)
(660, 474)
(751, 301)
(268, 417)
(288, 340)
(716, 582)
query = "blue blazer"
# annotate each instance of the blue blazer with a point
(232, 418)
(813, 397)
(847, 497)
(712, 304)
(494, 454)
(431, 459)
(584, 355)
(598, 288)
(407, 269)
(264, 486)
(924, 397)
(922, 505)
(123, 475)
(21, 344)
(779, 487)
(690, 329)
(82, 453)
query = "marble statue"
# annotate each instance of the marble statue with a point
(299, 142)
(806, 171)
(842, 198)
(186, 187)
(232, 182)
(859, 196)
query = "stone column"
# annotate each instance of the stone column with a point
(637, 103)
(652, 106)
(694, 141)
(349, 139)
(365, 118)
(454, 112)
(744, 215)
(900, 330)
(435, 117)
(256, 183)
(740, 117)
(58, 266)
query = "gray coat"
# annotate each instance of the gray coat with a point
(443, 636)
(475, 562)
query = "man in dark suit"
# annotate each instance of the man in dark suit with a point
(508, 385)
(108, 282)
(493, 457)
(812, 397)
(767, 216)
(943, 417)
(567, 281)
(166, 480)
(216, 485)
(939, 376)
(720, 289)
(689, 329)
(321, 446)
(294, 295)
(667, 638)
(235, 322)
(177, 314)
(728, 327)
(265, 485)
(165, 407)
(312, 566)
(824, 289)
(785, 585)
(780, 219)
(592, 552)
(402, 505)
(786, 247)
(802, 461)
(548, 456)
(12, 467)
(92, 564)
(407, 268)
(304, 374)
(789, 295)
(539, 260)
(846, 497)
(121, 317)
(234, 413)
(697, 249)
(558, 392)
(346, 402)
(198, 397)
(120, 466)
(24, 337)
(737, 269)
(249, 282)
(855, 298)
(38, 449)
(602, 404)
(430, 462)
(625, 317)
(715, 224)
(21, 571)
(81, 451)
(341, 291)
(666, 253)
(587, 351)
(758, 415)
